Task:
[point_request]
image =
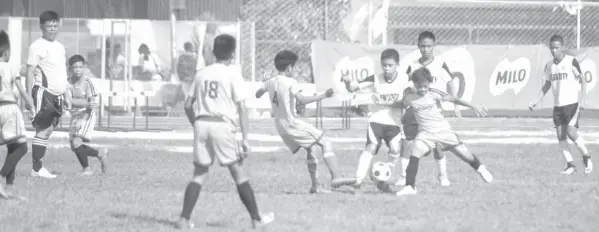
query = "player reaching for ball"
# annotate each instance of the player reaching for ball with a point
(284, 91)
(433, 129)
(383, 125)
(563, 75)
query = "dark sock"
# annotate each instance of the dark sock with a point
(411, 171)
(246, 193)
(89, 151)
(80, 152)
(10, 179)
(15, 153)
(585, 160)
(192, 192)
(475, 163)
(38, 150)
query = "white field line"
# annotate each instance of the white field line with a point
(276, 138)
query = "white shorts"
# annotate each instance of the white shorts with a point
(214, 138)
(298, 134)
(12, 125)
(446, 139)
(82, 125)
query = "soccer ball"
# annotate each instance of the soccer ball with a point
(380, 172)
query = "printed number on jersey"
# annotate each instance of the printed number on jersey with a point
(211, 88)
(275, 99)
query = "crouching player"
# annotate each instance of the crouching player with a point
(384, 124)
(12, 126)
(284, 91)
(433, 129)
(83, 116)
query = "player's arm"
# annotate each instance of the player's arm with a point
(191, 99)
(354, 86)
(544, 89)
(306, 99)
(458, 101)
(583, 84)
(239, 96)
(262, 90)
(24, 95)
(452, 85)
(33, 60)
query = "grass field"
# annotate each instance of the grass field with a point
(143, 189)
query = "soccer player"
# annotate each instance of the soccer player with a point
(12, 126)
(218, 96)
(383, 125)
(563, 76)
(83, 116)
(47, 73)
(284, 91)
(442, 81)
(434, 130)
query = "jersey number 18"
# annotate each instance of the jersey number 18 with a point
(211, 89)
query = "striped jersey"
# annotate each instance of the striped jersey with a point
(83, 89)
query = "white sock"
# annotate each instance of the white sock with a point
(442, 165)
(392, 159)
(404, 165)
(582, 146)
(565, 150)
(363, 166)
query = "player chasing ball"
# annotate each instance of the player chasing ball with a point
(83, 117)
(383, 125)
(434, 130)
(284, 91)
(218, 96)
(12, 125)
(564, 76)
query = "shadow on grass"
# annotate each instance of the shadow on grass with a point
(142, 218)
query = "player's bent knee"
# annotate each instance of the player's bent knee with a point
(372, 148)
(43, 132)
(238, 173)
(419, 148)
(437, 154)
(75, 143)
(199, 173)
(22, 140)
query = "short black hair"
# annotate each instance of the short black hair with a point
(49, 16)
(557, 38)
(284, 59)
(188, 46)
(224, 47)
(390, 53)
(76, 58)
(427, 35)
(4, 42)
(421, 74)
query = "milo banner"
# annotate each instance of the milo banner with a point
(495, 76)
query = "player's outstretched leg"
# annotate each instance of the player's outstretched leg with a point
(16, 151)
(404, 160)
(564, 148)
(464, 153)
(192, 192)
(312, 163)
(582, 148)
(82, 151)
(246, 193)
(442, 166)
(332, 163)
(418, 149)
(364, 162)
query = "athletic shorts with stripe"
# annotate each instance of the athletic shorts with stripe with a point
(447, 139)
(82, 125)
(214, 139)
(566, 115)
(12, 125)
(298, 134)
(48, 108)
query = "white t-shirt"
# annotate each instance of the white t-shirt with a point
(49, 60)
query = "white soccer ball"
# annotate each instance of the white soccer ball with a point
(380, 172)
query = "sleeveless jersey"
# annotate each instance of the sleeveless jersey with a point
(8, 76)
(564, 78)
(439, 70)
(282, 91)
(426, 110)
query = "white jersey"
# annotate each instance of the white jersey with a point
(439, 71)
(386, 93)
(217, 88)
(49, 60)
(564, 77)
(282, 91)
(8, 75)
(426, 110)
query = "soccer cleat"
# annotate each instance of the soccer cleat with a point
(183, 224)
(569, 170)
(43, 173)
(588, 166)
(265, 219)
(407, 190)
(338, 182)
(485, 174)
(444, 181)
(86, 172)
(3, 192)
(103, 157)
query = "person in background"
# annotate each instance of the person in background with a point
(186, 66)
(149, 64)
(117, 63)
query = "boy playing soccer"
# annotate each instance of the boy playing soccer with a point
(217, 97)
(12, 126)
(284, 91)
(443, 82)
(433, 129)
(563, 75)
(384, 124)
(83, 116)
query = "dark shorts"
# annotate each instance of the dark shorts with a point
(378, 132)
(566, 115)
(48, 108)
